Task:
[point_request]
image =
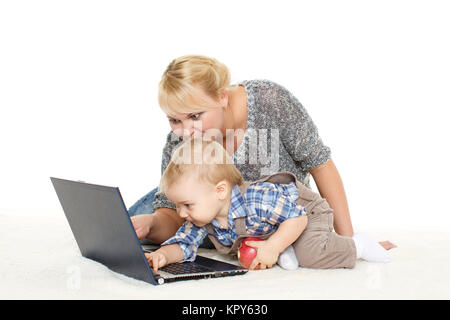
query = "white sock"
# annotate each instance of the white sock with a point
(287, 259)
(368, 249)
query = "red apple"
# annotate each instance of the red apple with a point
(245, 253)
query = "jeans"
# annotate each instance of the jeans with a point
(145, 205)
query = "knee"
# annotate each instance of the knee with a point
(143, 205)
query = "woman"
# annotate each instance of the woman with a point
(263, 126)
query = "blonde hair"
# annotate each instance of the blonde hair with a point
(205, 157)
(180, 83)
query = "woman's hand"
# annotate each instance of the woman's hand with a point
(266, 257)
(142, 224)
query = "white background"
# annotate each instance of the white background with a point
(78, 92)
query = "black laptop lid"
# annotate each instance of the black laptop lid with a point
(102, 227)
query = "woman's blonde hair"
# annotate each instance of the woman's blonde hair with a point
(205, 158)
(184, 76)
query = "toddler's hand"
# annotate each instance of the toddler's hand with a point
(266, 257)
(156, 259)
(142, 224)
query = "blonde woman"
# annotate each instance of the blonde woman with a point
(260, 123)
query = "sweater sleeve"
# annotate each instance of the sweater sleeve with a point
(298, 132)
(172, 142)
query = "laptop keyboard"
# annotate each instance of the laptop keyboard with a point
(185, 268)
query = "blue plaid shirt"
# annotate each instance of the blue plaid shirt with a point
(266, 205)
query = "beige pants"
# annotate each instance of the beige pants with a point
(320, 247)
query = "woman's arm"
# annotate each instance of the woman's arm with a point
(164, 224)
(301, 139)
(331, 188)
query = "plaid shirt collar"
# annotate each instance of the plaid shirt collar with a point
(237, 208)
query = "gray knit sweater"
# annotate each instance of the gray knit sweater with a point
(280, 136)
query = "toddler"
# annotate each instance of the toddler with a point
(295, 223)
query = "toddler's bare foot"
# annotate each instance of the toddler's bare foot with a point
(387, 245)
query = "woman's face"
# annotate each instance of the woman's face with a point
(206, 123)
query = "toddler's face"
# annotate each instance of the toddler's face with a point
(196, 200)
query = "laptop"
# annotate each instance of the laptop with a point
(103, 231)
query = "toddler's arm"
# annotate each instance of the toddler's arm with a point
(286, 234)
(165, 255)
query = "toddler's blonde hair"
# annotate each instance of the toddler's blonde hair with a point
(205, 158)
(178, 89)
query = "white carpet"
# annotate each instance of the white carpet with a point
(40, 260)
